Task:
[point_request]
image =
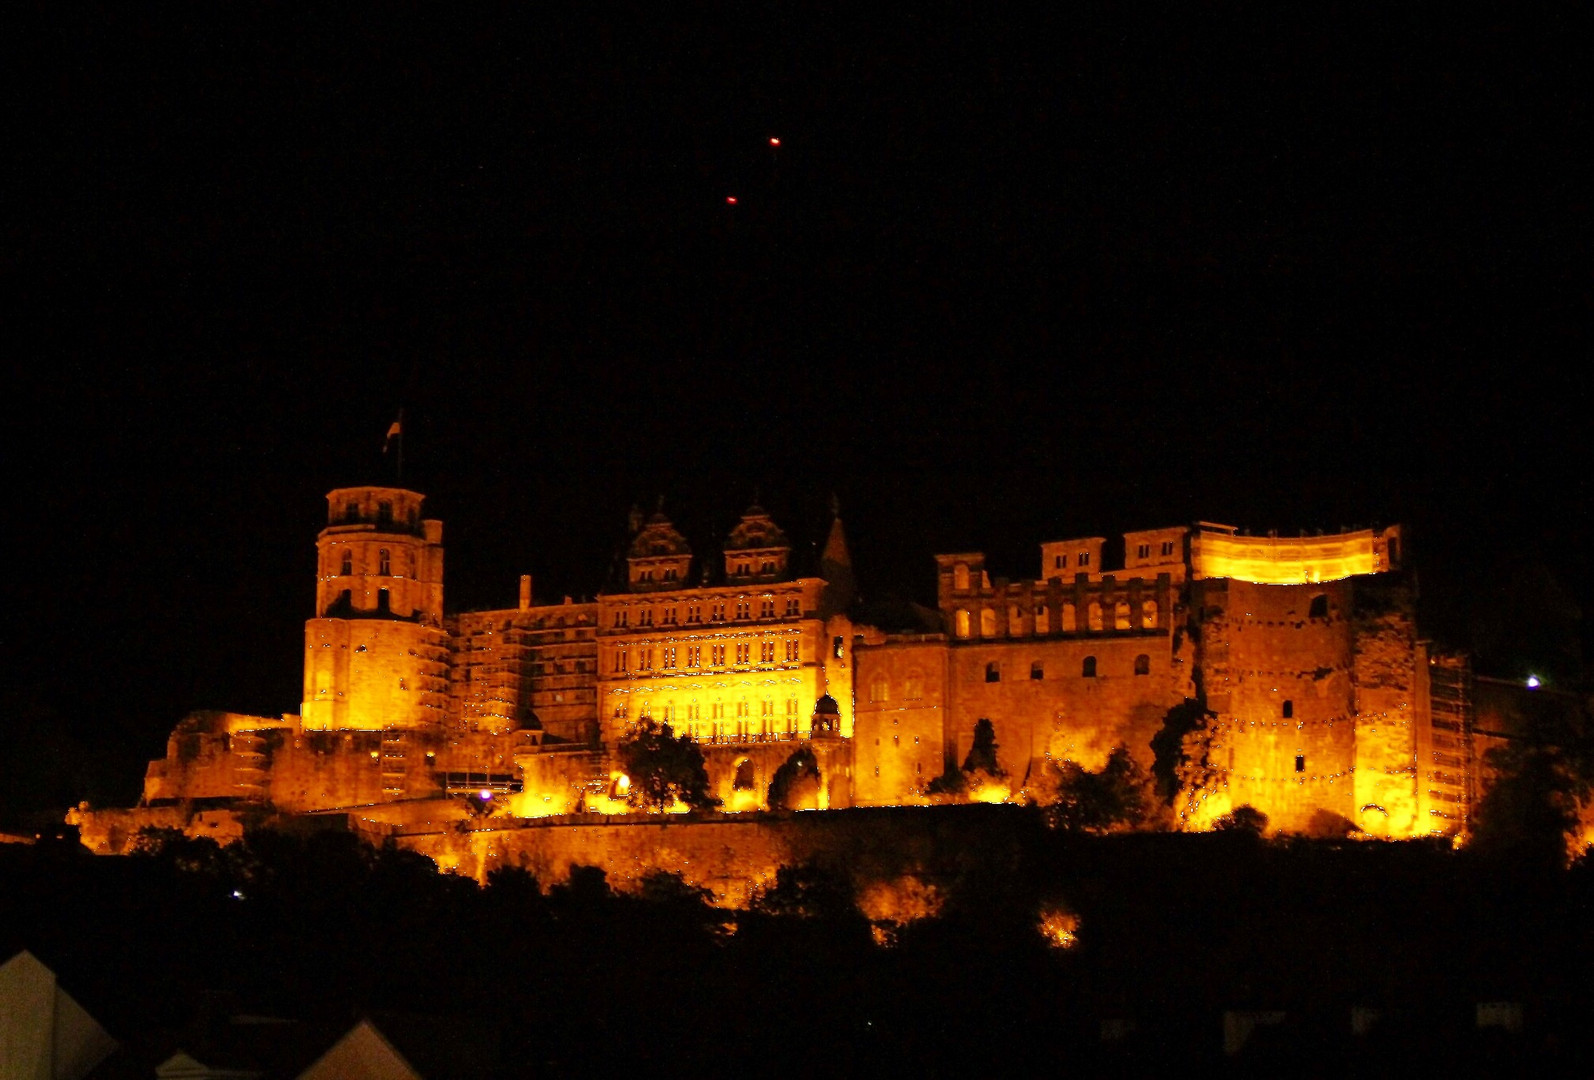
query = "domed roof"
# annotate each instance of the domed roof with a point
(756, 530)
(659, 537)
(827, 704)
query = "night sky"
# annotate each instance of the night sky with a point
(998, 284)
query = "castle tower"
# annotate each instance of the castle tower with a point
(376, 652)
(757, 551)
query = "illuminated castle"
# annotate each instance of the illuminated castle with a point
(1284, 674)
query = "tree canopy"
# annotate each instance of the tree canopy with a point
(664, 767)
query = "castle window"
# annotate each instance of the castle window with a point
(743, 569)
(993, 672)
(767, 568)
(694, 656)
(1015, 620)
(962, 621)
(669, 616)
(719, 611)
(1143, 551)
(1148, 613)
(619, 660)
(351, 510)
(669, 573)
(793, 606)
(766, 708)
(1300, 762)
(384, 602)
(1037, 670)
(1319, 608)
(619, 712)
(346, 566)
(1120, 615)
(1289, 710)
(644, 659)
(384, 513)
(1142, 664)
(766, 610)
(1070, 619)
(741, 708)
(1084, 559)
(669, 656)
(719, 713)
(645, 617)
(1087, 669)
(744, 654)
(766, 652)
(646, 575)
(717, 655)
(837, 647)
(743, 609)
(1041, 621)
(620, 617)
(1060, 562)
(987, 622)
(791, 649)
(1095, 615)
(878, 691)
(694, 614)
(1167, 547)
(384, 563)
(960, 577)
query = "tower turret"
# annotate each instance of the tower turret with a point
(376, 653)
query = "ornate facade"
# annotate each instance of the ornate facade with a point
(1285, 674)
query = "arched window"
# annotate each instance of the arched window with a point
(346, 566)
(1148, 614)
(962, 622)
(987, 622)
(960, 577)
(1289, 710)
(384, 562)
(1120, 615)
(1070, 619)
(1037, 670)
(1095, 615)
(1088, 668)
(1142, 664)
(993, 672)
(1319, 608)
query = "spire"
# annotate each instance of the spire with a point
(835, 566)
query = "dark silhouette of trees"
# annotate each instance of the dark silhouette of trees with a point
(979, 765)
(1119, 796)
(796, 781)
(664, 767)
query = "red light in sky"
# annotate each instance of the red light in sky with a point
(731, 199)
(774, 141)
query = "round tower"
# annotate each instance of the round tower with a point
(376, 653)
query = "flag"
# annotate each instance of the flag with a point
(394, 431)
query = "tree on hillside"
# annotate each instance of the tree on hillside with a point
(664, 767)
(1119, 796)
(979, 765)
(796, 782)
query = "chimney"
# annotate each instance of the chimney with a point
(525, 591)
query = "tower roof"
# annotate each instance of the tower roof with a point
(659, 537)
(756, 530)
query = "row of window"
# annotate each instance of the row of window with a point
(1087, 669)
(694, 711)
(670, 616)
(1095, 618)
(384, 563)
(670, 656)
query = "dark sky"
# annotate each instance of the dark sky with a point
(1000, 283)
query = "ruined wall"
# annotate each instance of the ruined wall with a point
(513, 665)
(372, 673)
(1385, 678)
(900, 742)
(1043, 701)
(1279, 680)
(734, 857)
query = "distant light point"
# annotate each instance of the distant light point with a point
(731, 200)
(774, 141)
(1533, 682)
